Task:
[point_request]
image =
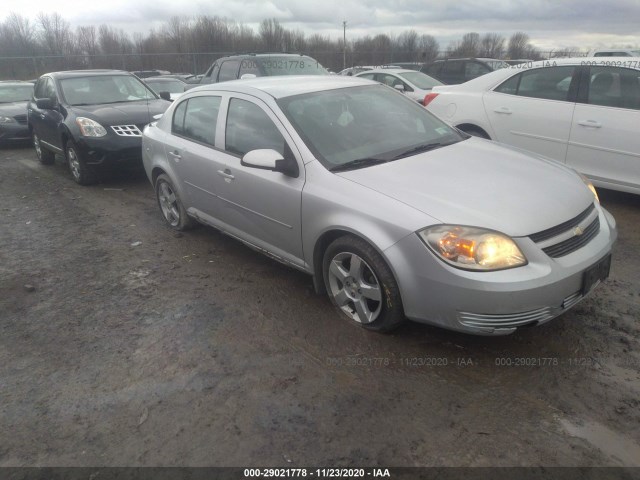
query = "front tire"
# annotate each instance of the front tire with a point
(361, 285)
(82, 173)
(45, 157)
(170, 204)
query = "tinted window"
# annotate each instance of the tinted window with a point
(249, 128)
(433, 69)
(474, 69)
(177, 125)
(453, 72)
(274, 65)
(44, 88)
(200, 119)
(229, 70)
(389, 80)
(614, 87)
(550, 83)
(368, 76)
(250, 66)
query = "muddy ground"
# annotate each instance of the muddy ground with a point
(194, 350)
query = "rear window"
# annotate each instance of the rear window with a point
(286, 65)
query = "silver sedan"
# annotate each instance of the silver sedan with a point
(394, 213)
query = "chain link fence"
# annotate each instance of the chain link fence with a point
(31, 67)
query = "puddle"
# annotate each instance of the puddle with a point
(620, 447)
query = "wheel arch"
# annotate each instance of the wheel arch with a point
(323, 242)
(472, 126)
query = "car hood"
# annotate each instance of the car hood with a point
(480, 183)
(13, 108)
(125, 113)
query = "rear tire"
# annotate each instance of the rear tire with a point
(82, 173)
(361, 285)
(171, 206)
(45, 157)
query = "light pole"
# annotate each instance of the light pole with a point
(344, 44)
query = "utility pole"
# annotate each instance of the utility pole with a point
(344, 44)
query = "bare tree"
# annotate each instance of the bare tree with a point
(518, 45)
(272, 34)
(55, 34)
(469, 46)
(429, 48)
(492, 45)
(407, 44)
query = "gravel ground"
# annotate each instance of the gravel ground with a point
(191, 349)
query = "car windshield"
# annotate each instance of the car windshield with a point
(102, 89)
(291, 65)
(364, 125)
(15, 93)
(171, 86)
(420, 80)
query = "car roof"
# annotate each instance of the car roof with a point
(388, 70)
(285, 86)
(85, 73)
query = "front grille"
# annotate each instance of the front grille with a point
(574, 243)
(127, 130)
(21, 119)
(563, 227)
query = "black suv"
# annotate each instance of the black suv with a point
(459, 70)
(94, 118)
(261, 65)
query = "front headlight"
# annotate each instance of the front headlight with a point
(588, 183)
(473, 248)
(90, 128)
(6, 120)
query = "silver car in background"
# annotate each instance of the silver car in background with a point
(395, 214)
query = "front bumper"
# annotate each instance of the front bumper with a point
(494, 303)
(110, 150)
(14, 132)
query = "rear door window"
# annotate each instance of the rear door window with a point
(197, 119)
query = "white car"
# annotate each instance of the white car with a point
(614, 52)
(415, 85)
(583, 112)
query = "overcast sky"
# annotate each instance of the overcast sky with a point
(550, 23)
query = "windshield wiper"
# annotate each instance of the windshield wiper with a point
(359, 163)
(421, 148)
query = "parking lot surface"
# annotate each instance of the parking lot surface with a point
(124, 343)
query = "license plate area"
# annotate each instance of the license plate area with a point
(596, 274)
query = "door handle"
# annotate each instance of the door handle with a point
(505, 110)
(590, 123)
(226, 173)
(176, 155)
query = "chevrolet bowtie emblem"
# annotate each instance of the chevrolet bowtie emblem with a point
(578, 231)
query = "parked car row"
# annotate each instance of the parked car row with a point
(394, 213)
(582, 112)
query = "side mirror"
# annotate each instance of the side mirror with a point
(165, 95)
(246, 76)
(267, 159)
(399, 87)
(45, 103)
